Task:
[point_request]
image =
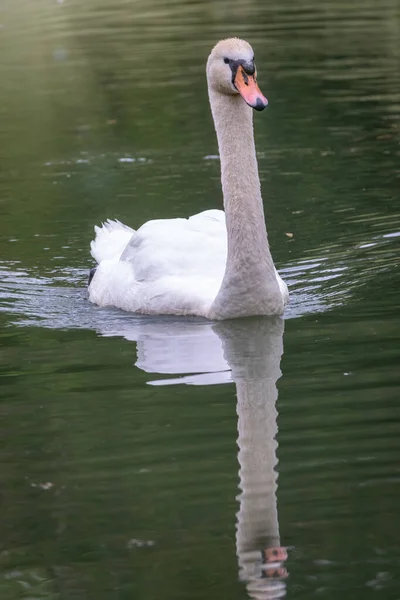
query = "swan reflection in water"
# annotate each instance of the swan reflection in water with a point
(247, 352)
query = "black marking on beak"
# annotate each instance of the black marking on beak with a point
(248, 67)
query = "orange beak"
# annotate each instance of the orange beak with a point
(247, 87)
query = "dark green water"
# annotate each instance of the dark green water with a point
(114, 484)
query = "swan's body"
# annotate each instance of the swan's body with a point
(216, 265)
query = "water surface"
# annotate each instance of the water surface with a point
(141, 456)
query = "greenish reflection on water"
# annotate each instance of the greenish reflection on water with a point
(114, 484)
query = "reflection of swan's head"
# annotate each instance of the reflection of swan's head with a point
(231, 70)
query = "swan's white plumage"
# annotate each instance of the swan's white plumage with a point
(167, 266)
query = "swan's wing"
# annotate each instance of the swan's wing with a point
(179, 248)
(170, 266)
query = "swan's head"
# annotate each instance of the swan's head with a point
(231, 70)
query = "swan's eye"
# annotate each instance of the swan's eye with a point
(226, 61)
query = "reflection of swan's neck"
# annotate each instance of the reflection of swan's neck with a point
(257, 518)
(250, 274)
(253, 348)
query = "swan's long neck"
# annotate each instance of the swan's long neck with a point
(250, 285)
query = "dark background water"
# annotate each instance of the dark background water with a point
(115, 488)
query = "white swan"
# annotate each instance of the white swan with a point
(216, 265)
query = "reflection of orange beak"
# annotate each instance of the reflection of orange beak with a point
(273, 554)
(247, 87)
(273, 562)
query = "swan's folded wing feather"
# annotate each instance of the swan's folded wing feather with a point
(179, 248)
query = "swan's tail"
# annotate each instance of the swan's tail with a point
(110, 241)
